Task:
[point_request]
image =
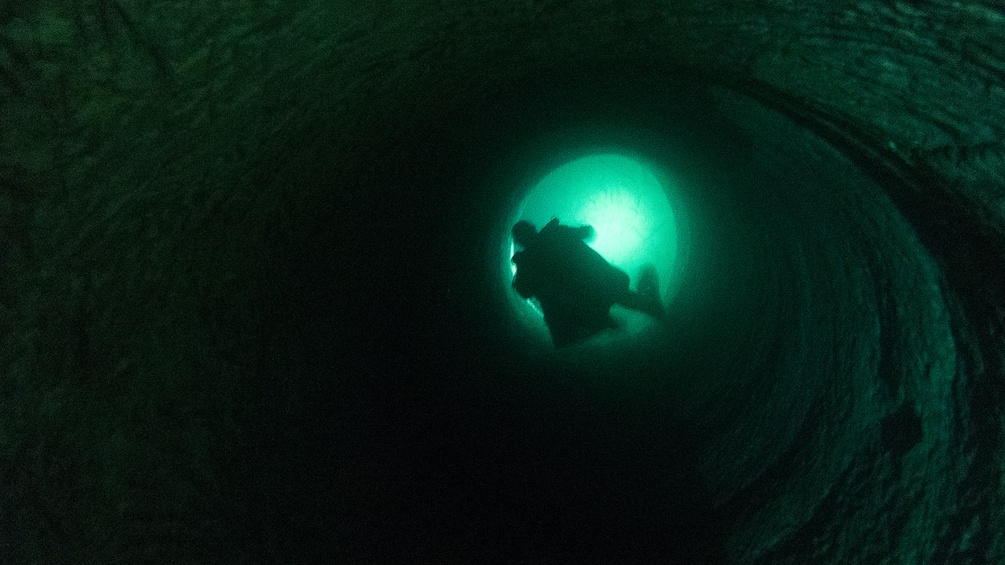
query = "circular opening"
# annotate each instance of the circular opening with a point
(625, 200)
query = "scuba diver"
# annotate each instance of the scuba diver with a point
(574, 284)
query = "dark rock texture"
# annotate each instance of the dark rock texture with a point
(246, 313)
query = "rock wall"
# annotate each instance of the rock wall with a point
(244, 315)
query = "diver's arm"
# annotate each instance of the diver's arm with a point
(521, 289)
(520, 283)
(584, 232)
(554, 229)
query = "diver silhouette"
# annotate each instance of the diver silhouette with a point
(574, 284)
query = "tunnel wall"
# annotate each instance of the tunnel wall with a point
(185, 189)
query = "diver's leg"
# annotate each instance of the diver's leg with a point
(650, 305)
(562, 321)
(647, 299)
(649, 283)
(598, 318)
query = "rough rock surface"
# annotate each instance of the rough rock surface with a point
(244, 315)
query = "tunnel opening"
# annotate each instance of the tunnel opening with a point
(627, 209)
(547, 449)
(827, 387)
(471, 394)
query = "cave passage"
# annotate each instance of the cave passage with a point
(256, 303)
(632, 220)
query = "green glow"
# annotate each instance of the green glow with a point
(622, 227)
(622, 198)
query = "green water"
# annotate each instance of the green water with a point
(625, 201)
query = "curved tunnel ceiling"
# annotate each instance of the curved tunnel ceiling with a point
(251, 303)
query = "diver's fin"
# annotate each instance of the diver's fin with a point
(649, 290)
(649, 283)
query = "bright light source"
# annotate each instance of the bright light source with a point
(620, 197)
(625, 202)
(620, 221)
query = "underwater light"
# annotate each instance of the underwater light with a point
(622, 198)
(619, 196)
(619, 218)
